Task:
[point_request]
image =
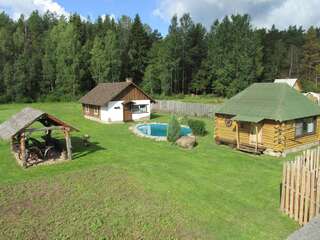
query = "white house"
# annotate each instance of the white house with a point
(292, 82)
(116, 102)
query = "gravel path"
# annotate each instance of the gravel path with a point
(310, 231)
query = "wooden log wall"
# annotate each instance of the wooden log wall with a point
(289, 140)
(300, 193)
(270, 133)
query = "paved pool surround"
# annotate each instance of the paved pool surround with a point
(137, 132)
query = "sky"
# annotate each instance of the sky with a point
(157, 13)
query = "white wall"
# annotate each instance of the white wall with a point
(110, 114)
(138, 116)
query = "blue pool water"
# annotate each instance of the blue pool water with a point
(160, 129)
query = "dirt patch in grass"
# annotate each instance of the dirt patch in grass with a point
(97, 204)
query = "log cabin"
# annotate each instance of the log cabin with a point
(268, 117)
(116, 102)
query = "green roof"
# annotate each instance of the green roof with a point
(245, 118)
(275, 101)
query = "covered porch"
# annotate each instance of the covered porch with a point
(249, 135)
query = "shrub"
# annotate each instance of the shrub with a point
(198, 127)
(173, 129)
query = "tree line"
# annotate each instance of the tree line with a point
(45, 57)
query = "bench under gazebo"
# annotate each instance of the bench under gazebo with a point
(30, 151)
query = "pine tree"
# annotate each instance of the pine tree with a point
(234, 51)
(174, 43)
(137, 50)
(123, 32)
(68, 61)
(311, 54)
(105, 60)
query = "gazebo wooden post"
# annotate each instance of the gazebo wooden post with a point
(23, 149)
(68, 143)
(237, 132)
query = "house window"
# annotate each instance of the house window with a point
(142, 108)
(306, 126)
(96, 110)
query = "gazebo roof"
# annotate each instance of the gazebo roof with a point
(23, 119)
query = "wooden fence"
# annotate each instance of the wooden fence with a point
(300, 193)
(189, 109)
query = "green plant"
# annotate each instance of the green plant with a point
(173, 129)
(184, 120)
(198, 127)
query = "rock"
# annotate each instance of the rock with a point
(186, 142)
(270, 152)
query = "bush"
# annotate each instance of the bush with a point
(173, 129)
(198, 127)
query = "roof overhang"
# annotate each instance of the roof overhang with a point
(245, 118)
(25, 118)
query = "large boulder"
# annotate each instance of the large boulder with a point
(186, 142)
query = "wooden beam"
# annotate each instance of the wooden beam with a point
(23, 149)
(68, 143)
(44, 129)
(237, 132)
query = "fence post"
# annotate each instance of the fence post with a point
(302, 195)
(297, 190)
(283, 186)
(307, 199)
(292, 188)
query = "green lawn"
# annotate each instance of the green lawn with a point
(126, 187)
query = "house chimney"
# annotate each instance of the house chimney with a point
(129, 80)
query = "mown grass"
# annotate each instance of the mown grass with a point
(219, 193)
(95, 204)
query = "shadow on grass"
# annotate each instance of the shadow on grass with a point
(155, 116)
(80, 149)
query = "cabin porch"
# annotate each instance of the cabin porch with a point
(249, 137)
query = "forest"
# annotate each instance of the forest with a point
(50, 58)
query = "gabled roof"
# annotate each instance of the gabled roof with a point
(275, 101)
(24, 119)
(106, 92)
(290, 81)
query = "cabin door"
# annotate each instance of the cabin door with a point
(255, 133)
(127, 113)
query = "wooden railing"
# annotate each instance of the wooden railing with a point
(300, 193)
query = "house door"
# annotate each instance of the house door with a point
(255, 133)
(127, 113)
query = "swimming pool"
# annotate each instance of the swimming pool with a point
(159, 130)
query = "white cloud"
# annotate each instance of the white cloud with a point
(17, 7)
(111, 16)
(264, 13)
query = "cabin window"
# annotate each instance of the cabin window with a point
(306, 126)
(96, 110)
(86, 109)
(117, 107)
(141, 108)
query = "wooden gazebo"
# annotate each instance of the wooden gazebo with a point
(17, 129)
